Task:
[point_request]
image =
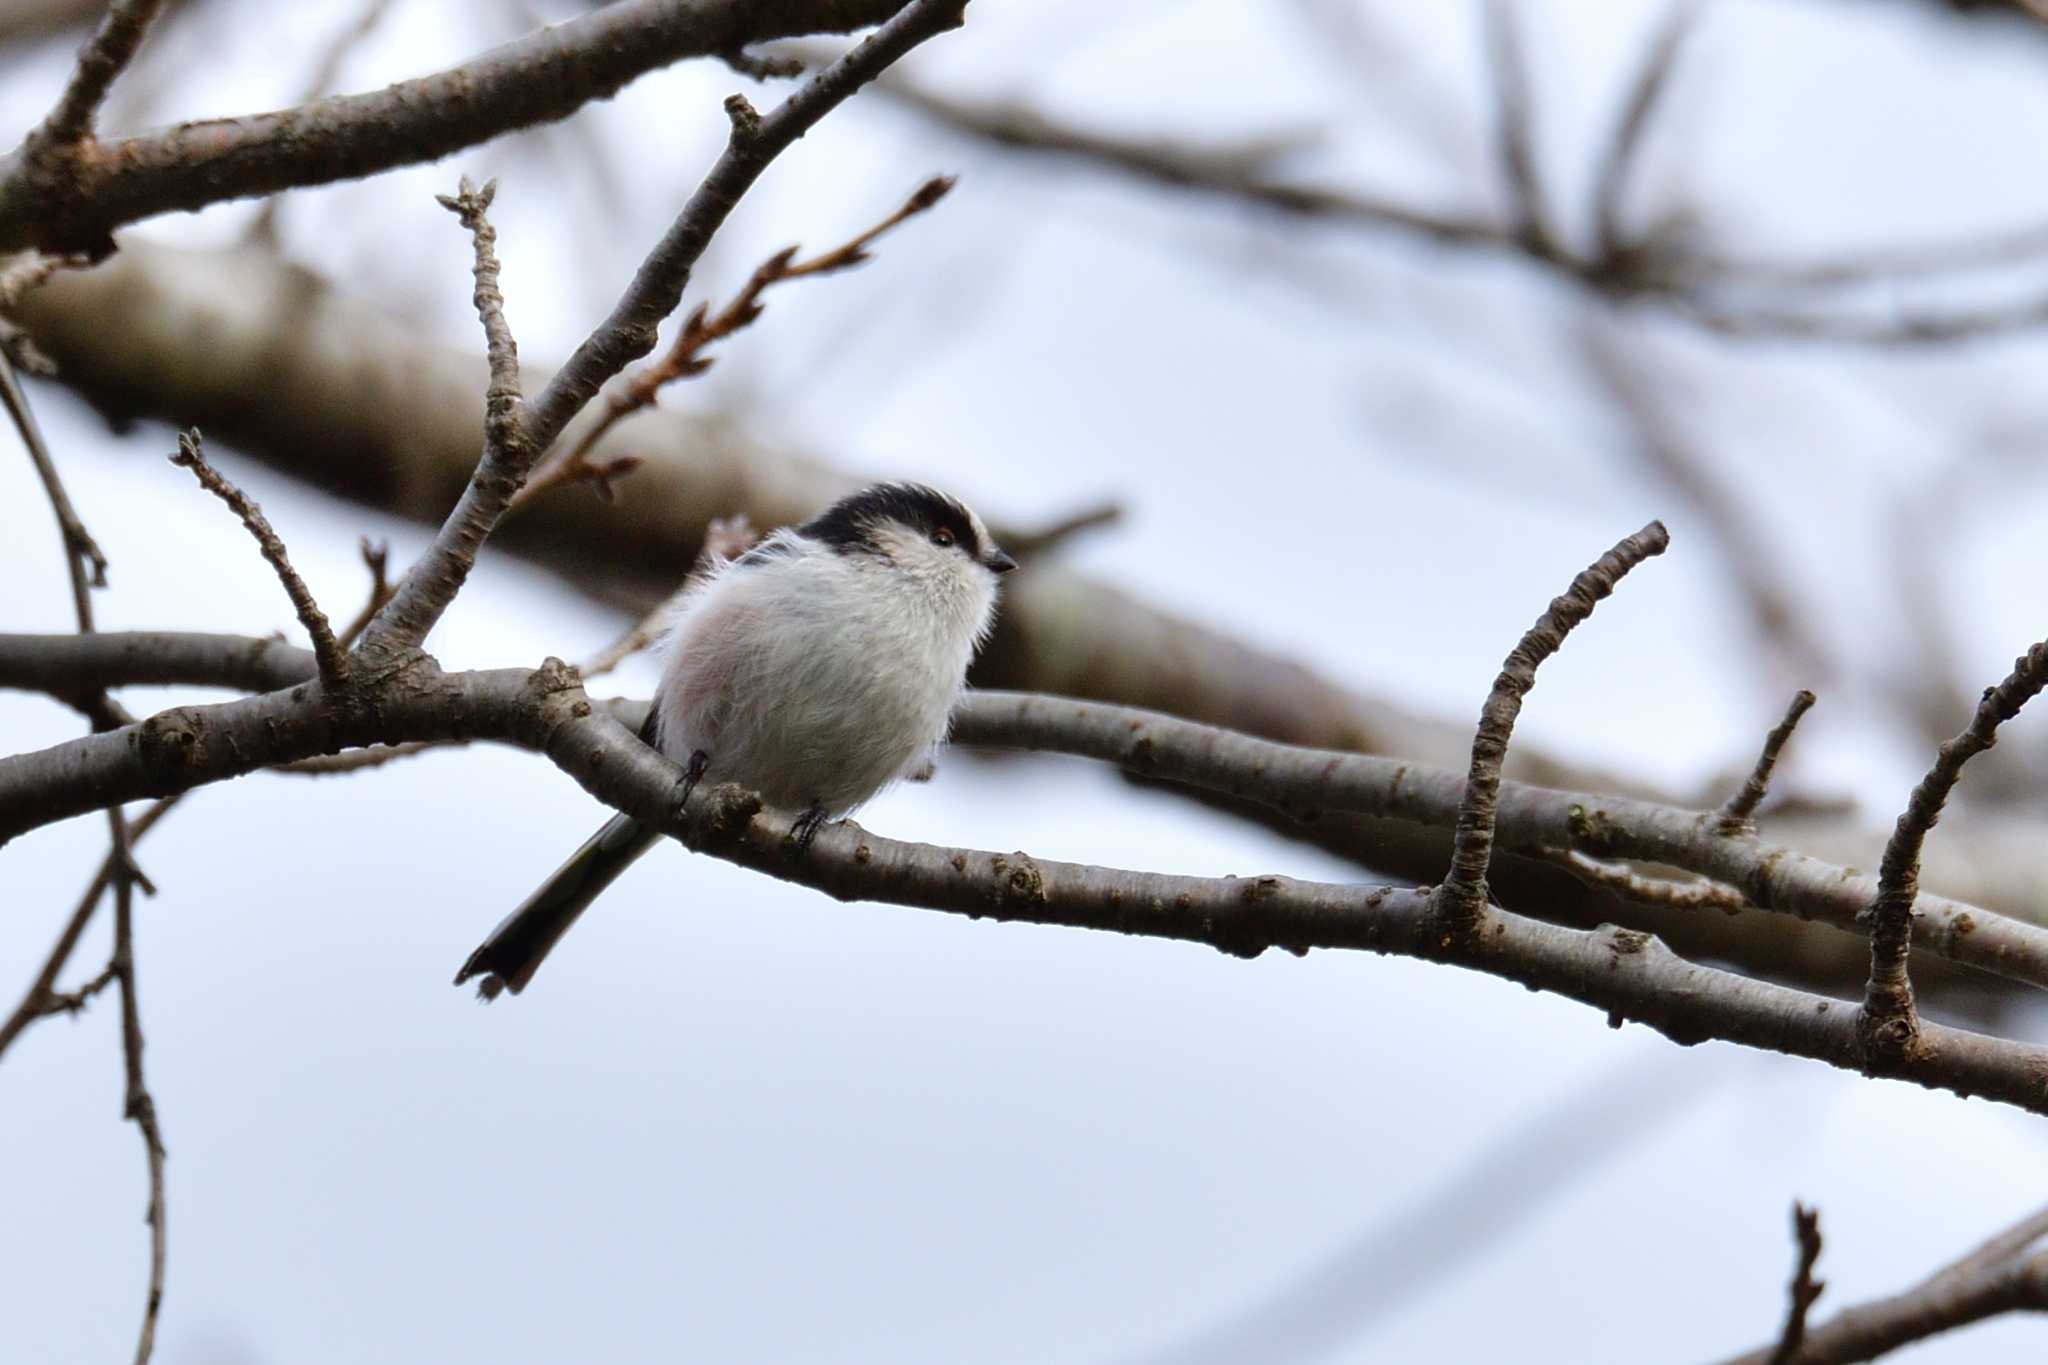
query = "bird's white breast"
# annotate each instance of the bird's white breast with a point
(818, 676)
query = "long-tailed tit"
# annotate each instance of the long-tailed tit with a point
(815, 669)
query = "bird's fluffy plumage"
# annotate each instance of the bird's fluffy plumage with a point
(815, 669)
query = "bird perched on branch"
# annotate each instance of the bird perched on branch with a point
(815, 669)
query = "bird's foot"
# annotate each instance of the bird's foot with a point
(806, 828)
(693, 773)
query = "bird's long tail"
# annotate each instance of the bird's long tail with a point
(515, 949)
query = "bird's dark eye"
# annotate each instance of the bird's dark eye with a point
(942, 538)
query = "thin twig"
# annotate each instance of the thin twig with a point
(263, 228)
(120, 870)
(1461, 900)
(726, 538)
(686, 359)
(333, 660)
(1995, 1278)
(1030, 544)
(1804, 1289)
(1514, 131)
(1695, 893)
(502, 398)
(1663, 446)
(101, 60)
(1737, 816)
(34, 1003)
(377, 559)
(361, 760)
(139, 1106)
(629, 332)
(1710, 291)
(80, 549)
(1889, 1021)
(1653, 78)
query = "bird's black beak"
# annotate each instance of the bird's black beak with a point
(998, 562)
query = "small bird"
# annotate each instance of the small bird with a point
(815, 669)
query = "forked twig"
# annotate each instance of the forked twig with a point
(685, 358)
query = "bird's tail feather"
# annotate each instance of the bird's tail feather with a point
(508, 959)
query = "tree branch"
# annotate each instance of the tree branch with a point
(1714, 291)
(42, 995)
(1994, 1278)
(685, 358)
(1645, 97)
(1804, 1288)
(103, 58)
(332, 660)
(1461, 900)
(1303, 783)
(629, 332)
(1738, 815)
(75, 199)
(1889, 1020)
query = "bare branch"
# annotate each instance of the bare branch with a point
(109, 50)
(502, 399)
(728, 538)
(1628, 974)
(1709, 290)
(83, 557)
(1301, 782)
(629, 332)
(377, 559)
(1514, 132)
(1653, 79)
(361, 760)
(1695, 893)
(686, 359)
(333, 662)
(138, 1104)
(1040, 540)
(1235, 172)
(1662, 447)
(1995, 1278)
(1804, 1288)
(263, 229)
(1461, 900)
(1737, 816)
(75, 200)
(42, 993)
(1888, 1019)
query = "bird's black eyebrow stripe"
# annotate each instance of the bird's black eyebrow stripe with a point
(849, 524)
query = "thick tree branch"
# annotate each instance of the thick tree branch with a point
(629, 332)
(1303, 783)
(74, 200)
(1628, 974)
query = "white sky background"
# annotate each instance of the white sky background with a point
(736, 1121)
